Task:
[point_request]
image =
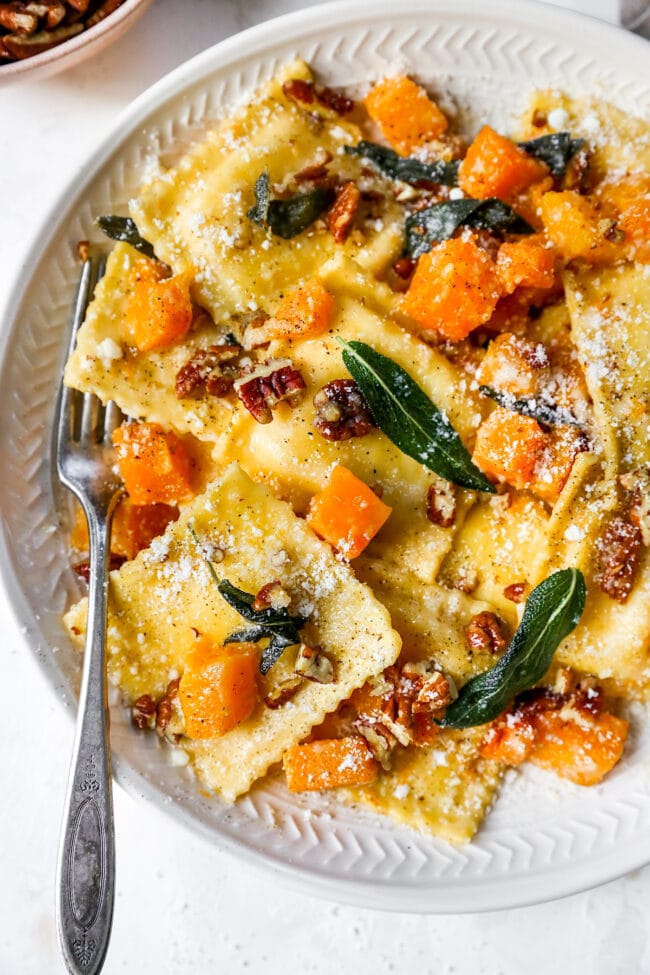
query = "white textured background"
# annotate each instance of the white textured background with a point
(181, 907)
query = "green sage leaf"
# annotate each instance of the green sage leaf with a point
(404, 412)
(287, 218)
(441, 221)
(409, 169)
(556, 150)
(280, 627)
(537, 408)
(552, 611)
(124, 228)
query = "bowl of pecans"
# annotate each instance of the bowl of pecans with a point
(41, 37)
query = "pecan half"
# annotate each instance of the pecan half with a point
(143, 712)
(484, 633)
(441, 504)
(306, 93)
(342, 411)
(213, 369)
(340, 216)
(619, 551)
(261, 390)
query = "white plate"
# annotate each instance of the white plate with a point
(544, 839)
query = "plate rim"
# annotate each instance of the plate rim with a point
(491, 894)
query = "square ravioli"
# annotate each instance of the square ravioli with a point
(196, 214)
(141, 383)
(158, 601)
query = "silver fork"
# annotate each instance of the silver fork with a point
(86, 867)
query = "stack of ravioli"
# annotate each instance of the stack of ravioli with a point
(401, 599)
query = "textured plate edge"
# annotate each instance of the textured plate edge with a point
(257, 40)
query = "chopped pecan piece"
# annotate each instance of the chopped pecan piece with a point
(317, 169)
(165, 706)
(213, 368)
(466, 580)
(484, 633)
(340, 216)
(381, 742)
(14, 17)
(102, 11)
(82, 569)
(441, 504)
(143, 712)
(272, 595)
(83, 250)
(261, 390)
(313, 664)
(306, 93)
(52, 10)
(576, 176)
(404, 267)
(516, 592)
(342, 411)
(427, 688)
(619, 550)
(283, 692)
(637, 484)
(21, 47)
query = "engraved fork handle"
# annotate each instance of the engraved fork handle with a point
(86, 867)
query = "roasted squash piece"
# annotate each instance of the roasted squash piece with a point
(405, 114)
(508, 446)
(218, 689)
(346, 513)
(454, 289)
(496, 166)
(583, 749)
(513, 365)
(134, 527)
(155, 465)
(329, 763)
(527, 263)
(577, 229)
(303, 313)
(158, 309)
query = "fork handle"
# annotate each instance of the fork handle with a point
(86, 867)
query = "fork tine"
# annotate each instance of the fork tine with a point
(89, 416)
(67, 397)
(112, 419)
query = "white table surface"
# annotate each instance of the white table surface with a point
(181, 907)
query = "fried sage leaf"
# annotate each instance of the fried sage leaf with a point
(287, 218)
(440, 222)
(124, 228)
(279, 626)
(404, 412)
(552, 611)
(556, 150)
(409, 169)
(538, 409)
